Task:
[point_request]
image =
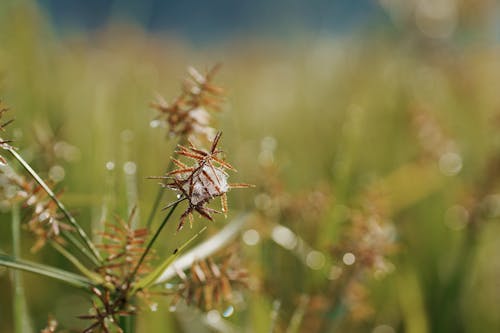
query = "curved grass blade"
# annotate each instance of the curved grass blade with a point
(55, 273)
(205, 249)
(151, 278)
(94, 254)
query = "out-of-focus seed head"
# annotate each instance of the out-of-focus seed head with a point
(188, 114)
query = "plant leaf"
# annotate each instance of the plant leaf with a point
(48, 271)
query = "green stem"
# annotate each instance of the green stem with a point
(127, 323)
(48, 271)
(93, 276)
(152, 277)
(94, 255)
(151, 242)
(19, 302)
(161, 190)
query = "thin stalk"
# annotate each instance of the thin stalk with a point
(93, 276)
(48, 271)
(73, 240)
(127, 323)
(19, 301)
(161, 190)
(151, 242)
(67, 214)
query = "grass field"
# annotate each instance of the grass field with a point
(376, 160)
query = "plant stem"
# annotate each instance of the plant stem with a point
(151, 242)
(161, 190)
(96, 278)
(127, 323)
(152, 277)
(94, 255)
(19, 302)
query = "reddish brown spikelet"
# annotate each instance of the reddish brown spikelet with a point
(122, 248)
(199, 183)
(209, 284)
(187, 115)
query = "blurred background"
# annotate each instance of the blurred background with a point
(370, 129)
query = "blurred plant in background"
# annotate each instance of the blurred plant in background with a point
(374, 154)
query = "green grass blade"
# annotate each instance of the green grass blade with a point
(94, 253)
(206, 248)
(151, 278)
(55, 273)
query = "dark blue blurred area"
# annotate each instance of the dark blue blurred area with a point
(216, 19)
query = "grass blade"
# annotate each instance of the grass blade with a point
(151, 278)
(94, 255)
(205, 249)
(55, 273)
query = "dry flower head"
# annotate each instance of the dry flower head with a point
(201, 182)
(209, 284)
(122, 248)
(188, 114)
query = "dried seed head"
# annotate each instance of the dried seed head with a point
(209, 284)
(201, 182)
(45, 221)
(188, 115)
(122, 248)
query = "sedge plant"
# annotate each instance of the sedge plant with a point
(123, 266)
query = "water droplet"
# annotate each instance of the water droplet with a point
(57, 173)
(130, 168)
(169, 285)
(155, 123)
(450, 164)
(153, 307)
(284, 237)
(228, 312)
(315, 260)
(251, 237)
(349, 258)
(172, 308)
(179, 196)
(213, 316)
(110, 165)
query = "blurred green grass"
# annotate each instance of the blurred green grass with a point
(340, 111)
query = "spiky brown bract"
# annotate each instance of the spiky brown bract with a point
(209, 283)
(44, 221)
(121, 249)
(201, 182)
(187, 115)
